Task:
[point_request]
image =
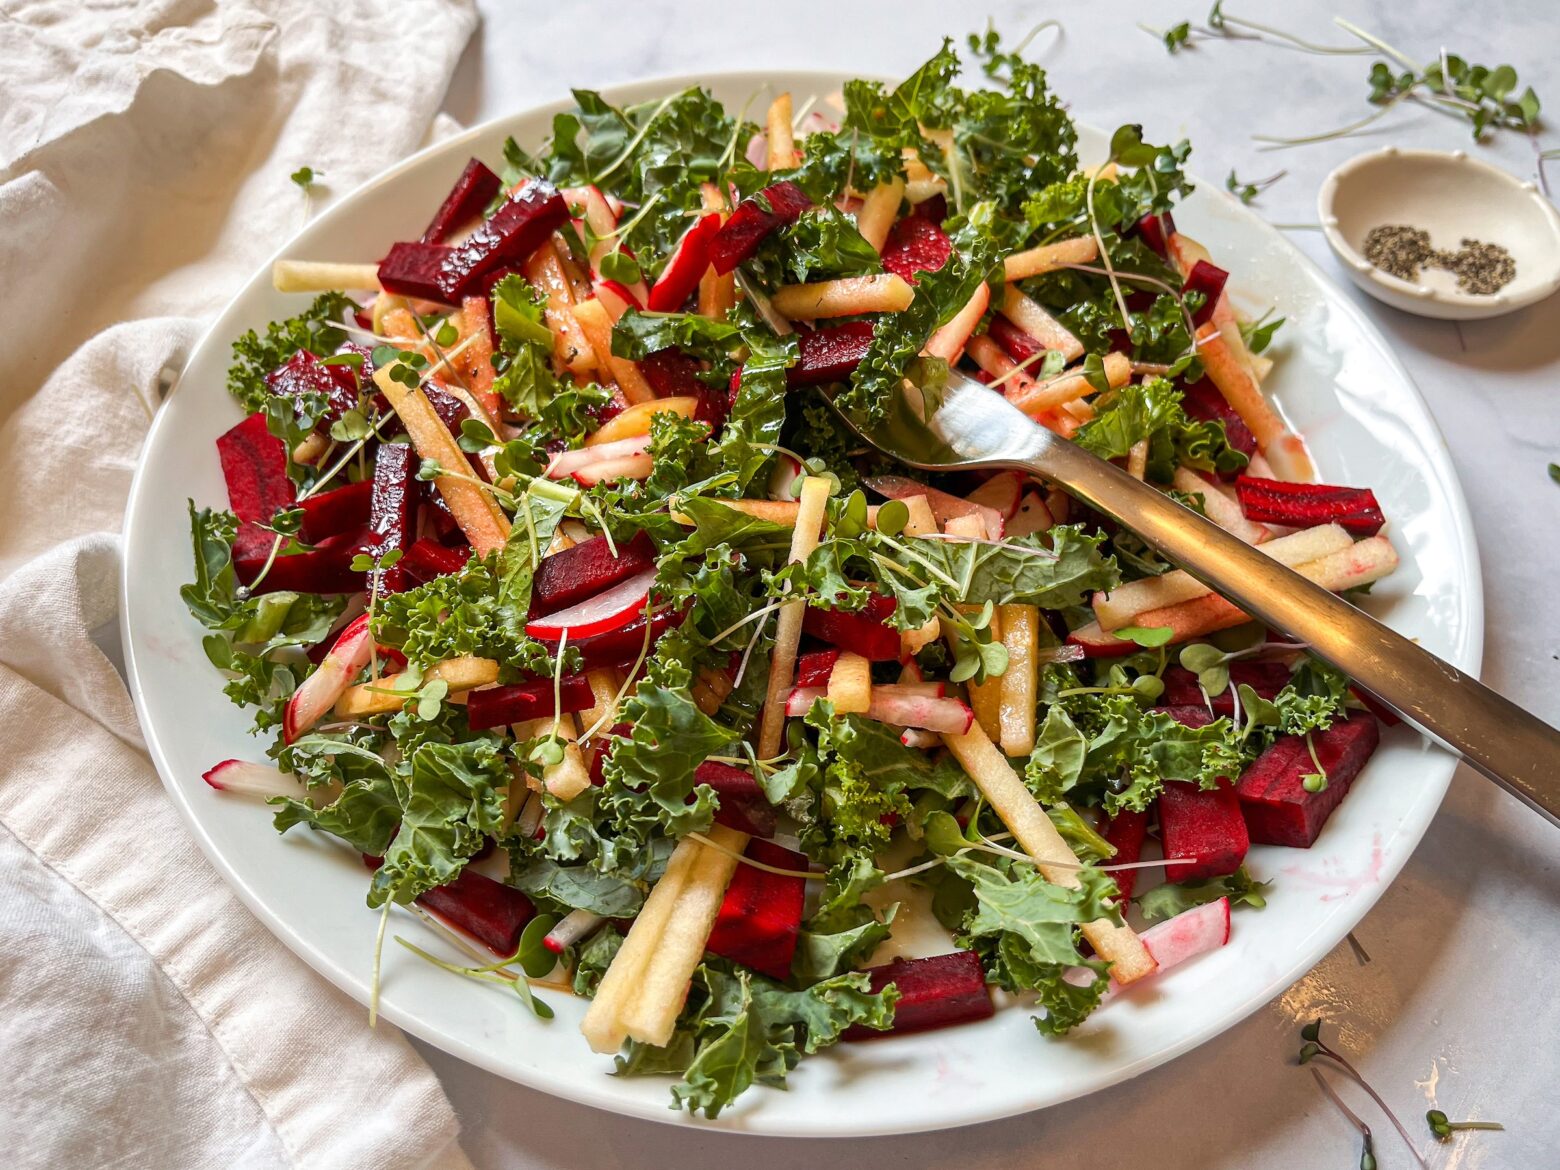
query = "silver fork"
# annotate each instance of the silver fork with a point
(976, 429)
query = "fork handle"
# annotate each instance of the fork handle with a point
(1515, 749)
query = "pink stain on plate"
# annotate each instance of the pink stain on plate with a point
(1341, 885)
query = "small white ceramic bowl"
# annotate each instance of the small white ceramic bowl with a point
(1451, 196)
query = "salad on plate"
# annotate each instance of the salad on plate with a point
(563, 594)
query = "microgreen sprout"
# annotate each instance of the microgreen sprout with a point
(1247, 191)
(1315, 1048)
(1443, 1129)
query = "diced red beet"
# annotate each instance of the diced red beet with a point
(829, 355)
(759, 919)
(448, 274)
(303, 373)
(1126, 831)
(427, 559)
(1191, 715)
(743, 805)
(814, 667)
(497, 706)
(934, 209)
(472, 192)
(1376, 707)
(1202, 400)
(916, 244)
(935, 992)
(1018, 345)
(673, 374)
(1277, 808)
(490, 912)
(412, 269)
(622, 647)
(392, 511)
(865, 632)
(752, 222)
(254, 463)
(1202, 830)
(1156, 231)
(326, 569)
(570, 576)
(1305, 505)
(1266, 678)
(343, 509)
(1209, 280)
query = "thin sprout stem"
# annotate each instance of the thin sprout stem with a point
(758, 632)
(1274, 143)
(1373, 40)
(1152, 282)
(1353, 1117)
(379, 951)
(805, 874)
(1099, 240)
(756, 615)
(633, 144)
(1297, 42)
(1342, 1062)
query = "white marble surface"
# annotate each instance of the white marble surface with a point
(1454, 1006)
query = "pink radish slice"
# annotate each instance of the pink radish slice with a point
(248, 779)
(617, 297)
(943, 715)
(914, 737)
(682, 272)
(629, 467)
(1001, 491)
(572, 927)
(787, 471)
(1063, 653)
(1189, 934)
(319, 692)
(566, 463)
(944, 506)
(601, 614)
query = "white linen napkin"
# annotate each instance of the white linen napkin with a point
(146, 1018)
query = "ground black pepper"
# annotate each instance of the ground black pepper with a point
(1400, 250)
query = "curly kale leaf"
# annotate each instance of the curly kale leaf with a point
(315, 329)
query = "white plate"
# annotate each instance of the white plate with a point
(1336, 380)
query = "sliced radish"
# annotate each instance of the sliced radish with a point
(248, 779)
(629, 467)
(687, 264)
(617, 607)
(566, 463)
(1095, 642)
(574, 926)
(944, 506)
(1064, 653)
(914, 737)
(1189, 934)
(1001, 491)
(351, 652)
(616, 297)
(903, 710)
(788, 469)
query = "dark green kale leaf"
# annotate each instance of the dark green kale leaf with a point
(1172, 898)
(739, 1029)
(522, 358)
(1152, 410)
(1053, 570)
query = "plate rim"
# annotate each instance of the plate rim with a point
(1439, 766)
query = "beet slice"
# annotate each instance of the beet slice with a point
(814, 668)
(1126, 831)
(934, 209)
(569, 577)
(392, 512)
(761, 914)
(254, 464)
(427, 559)
(490, 912)
(448, 274)
(743, 805)
(1277, 808)
(1305, 505)
(916, 244)
(325, 569)
(1266, 678)
(936, 992)
(473, 191)
(829, 355)
(1208, 279)
(673, 374)
(1201, 830)
(754, 219)
(865, 632)
(452, 412)
(1202, 400)
(499, 706)
(1156, 231)
(1018, 345)
(303, 373)
(343, 509)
